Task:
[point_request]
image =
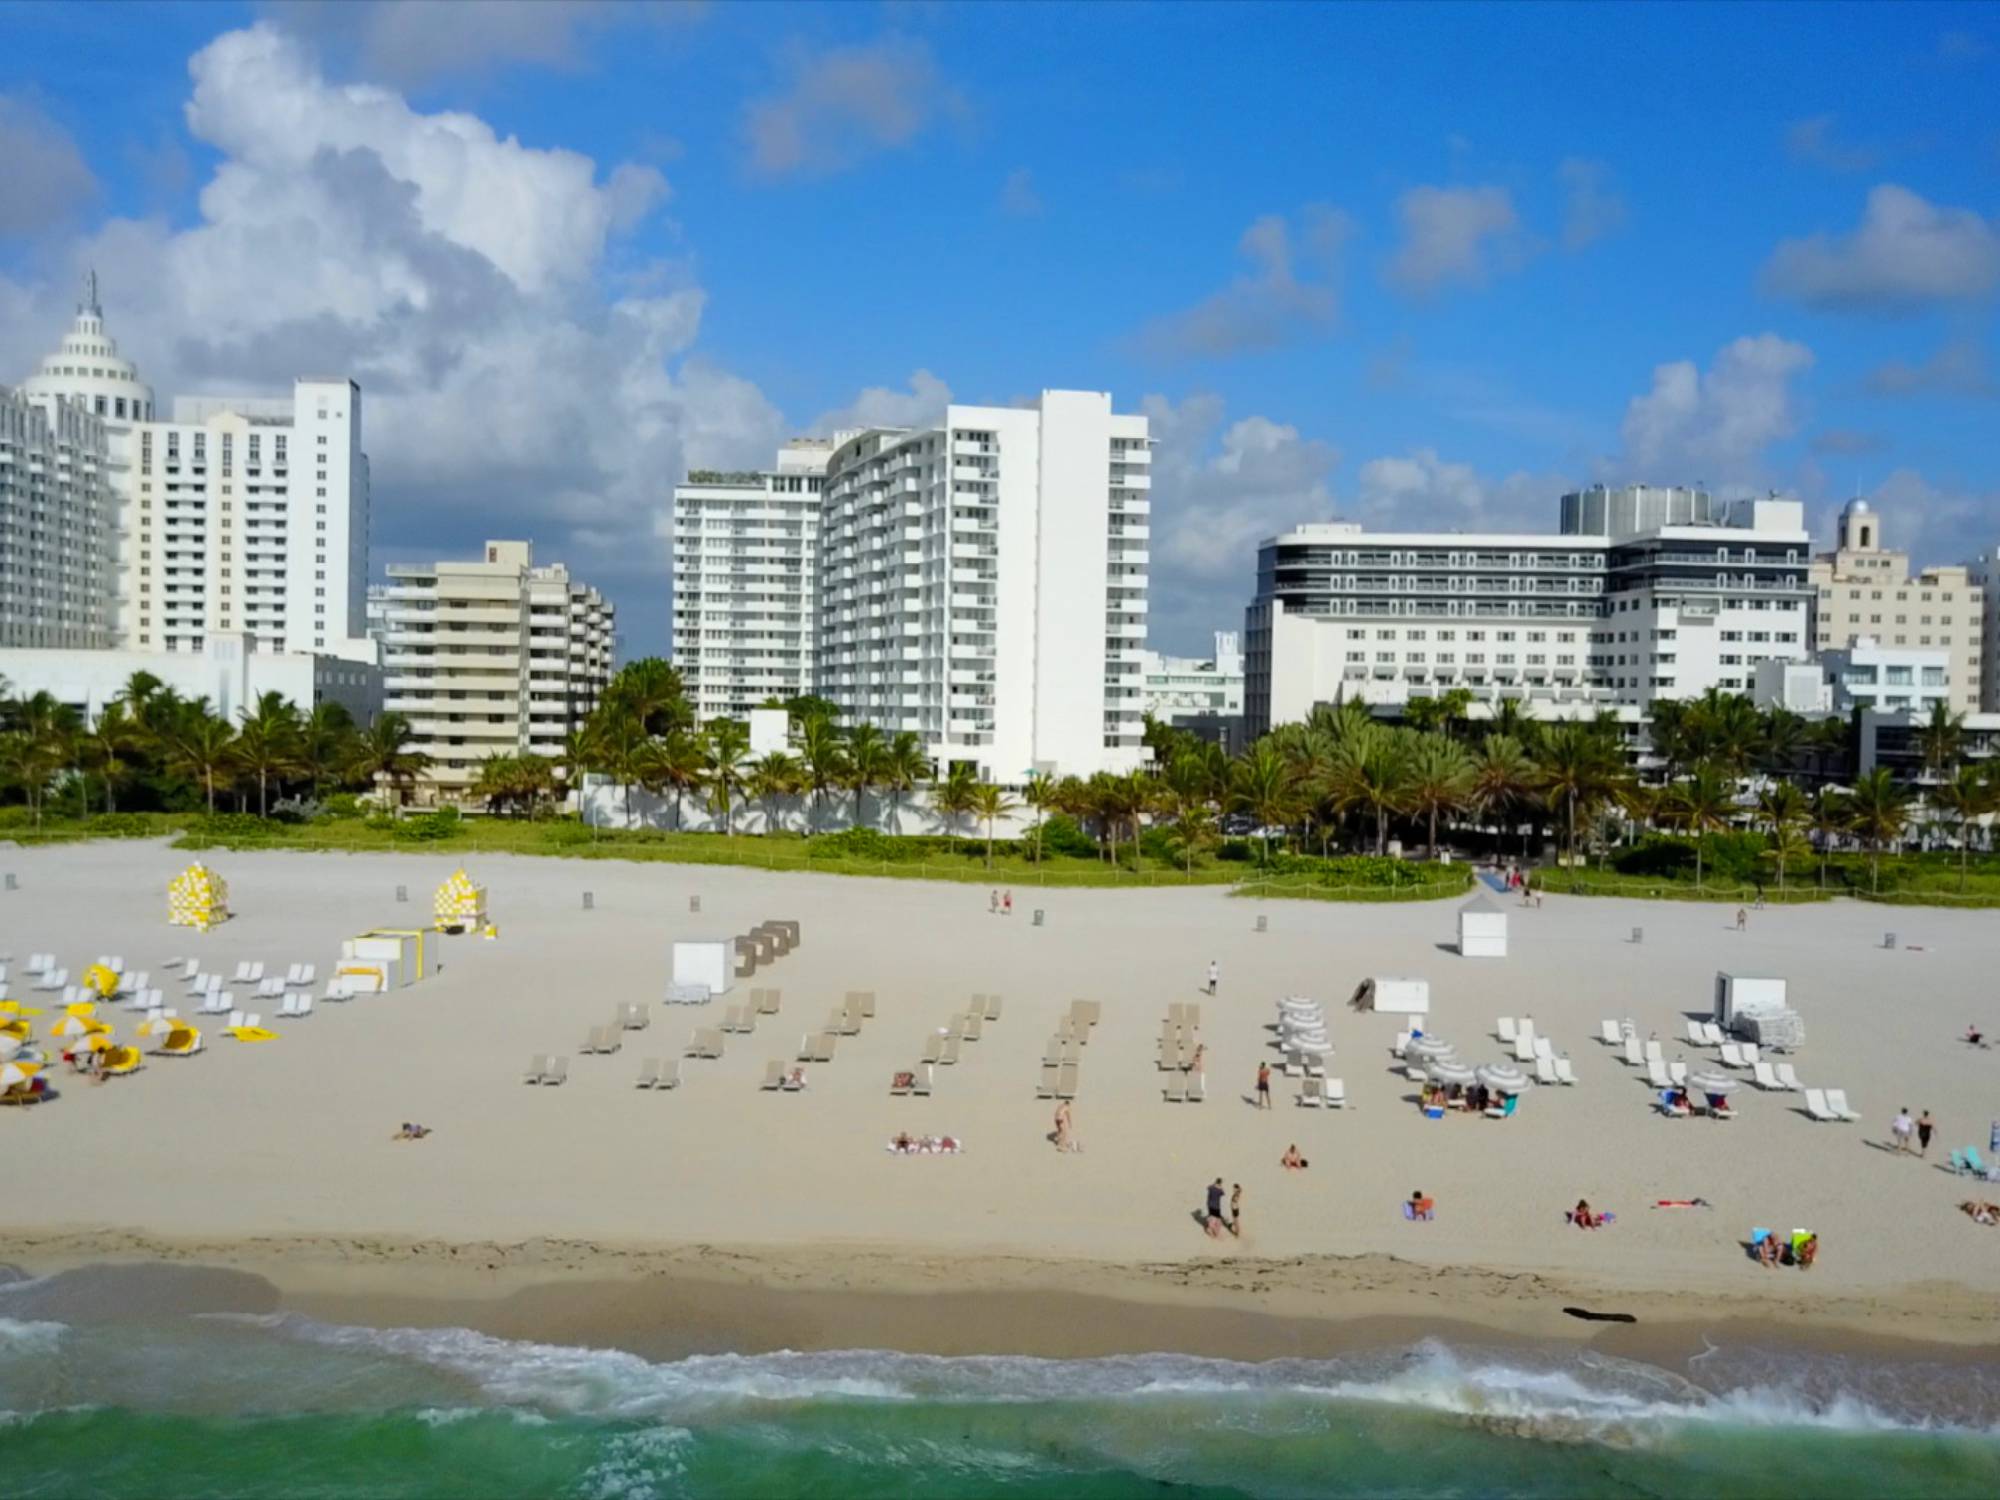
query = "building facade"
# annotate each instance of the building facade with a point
(983, 585)
(228, 672)
(1864, 589)
(493, 657)
(1627, 509)
(746, 570)
(1564, 622)
(1888, 679)
(58, 520)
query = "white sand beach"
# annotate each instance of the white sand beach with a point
(290, 1141)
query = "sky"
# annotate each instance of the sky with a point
(1422, 267)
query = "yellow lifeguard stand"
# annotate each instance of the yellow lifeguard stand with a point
(197, 898)
(459, 906)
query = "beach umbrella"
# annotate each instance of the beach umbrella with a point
(159, 1025)
(10, 1044)
(16, 1029)
(1450, 1070)
(1315, 1047)
(100, 980)
(1298, 1002)
(70, 1026)
(1504, 1078)
(12, 1073)
(97, 1041)
(1711, 1083)
(1427, 1048)
(84, 1008)
(16, 1008)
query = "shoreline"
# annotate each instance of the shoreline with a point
(665, 1302)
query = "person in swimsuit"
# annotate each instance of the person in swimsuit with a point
(1263, 1085)
(1925, 1126)
(1236, 1210)
(1214, 1221)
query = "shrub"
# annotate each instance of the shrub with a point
(1364, 870)
(865, 844)
(339, 805)
(426, 828)
(1727, 858)
(1162, 844)
(1062, 836)
(230, 828)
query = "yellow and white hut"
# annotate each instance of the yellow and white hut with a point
(198, 898)
(460, 906)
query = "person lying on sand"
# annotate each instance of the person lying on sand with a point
(1982, 1213)
(1583, 1218)
(1974, 1036)
(1767, 1252)
(411, 1132)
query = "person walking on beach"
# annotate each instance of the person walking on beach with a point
(1006, 903)
(1742, 920)
(1925, 1126)
(1214, 1222)
(1263, 1085)
(1902, 1128)
(1214, 975)
(993, 904)
(1236, 1210)
(1062, 1126)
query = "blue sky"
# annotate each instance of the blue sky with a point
(1421, 266)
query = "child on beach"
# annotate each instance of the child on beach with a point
(1236, 1210)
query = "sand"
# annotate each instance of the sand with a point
(278, 1159)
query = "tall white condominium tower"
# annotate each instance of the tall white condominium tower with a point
(983, 585)
(241, 515)
(493, 657)
(65, 454)
(746, 555)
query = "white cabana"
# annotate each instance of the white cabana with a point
(1482, 929)
(1411, 997)
(705, 961)
(1741, 995)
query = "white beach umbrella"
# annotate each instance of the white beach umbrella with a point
(1449, 1070)
(1710, 1082)
(1298, 1002)
(1427, 1048)
(1317, 1048)
(9, 1045)
(1504, 1078)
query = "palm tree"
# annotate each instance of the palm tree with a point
(1502, 778)
(953, 796)
(1262, 786)
(267, 744)
(725, 745)
(1579, 769)
(1942, 739)
(1878, 810)
(1039, 793)
(203, 746)
(1702, 803)
(47, 731)
(106, 746)
(775, 776)
(1782, 809)
(990, 802)
(1184, 798)
(902, 768)
(1439, 781)
(325, 745)
(1425, 715)
(652, 693)
(1371, 772)
(622, 747)
(1828, 813)
(1967, 796)
(1784, 738)
(382, 753)
(825, 758)
(867, 762)
(673, 763)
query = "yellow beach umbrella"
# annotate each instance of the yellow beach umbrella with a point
(100, 978)
(10, 1044)
(159, 1025)
(16, 1008)
(70, 1026)
(121, 1060)
(252, 1034)
(18, 1029)
(12, 1073)
(80, 1008)
(97, 1041)
(180, 1041)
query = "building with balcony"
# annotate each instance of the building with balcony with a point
(1862, 589)
(1888, 679)
(58, 518)
(746, 558)
(1566, 623)
(983, 585)
(1203, 695)
(492, 657)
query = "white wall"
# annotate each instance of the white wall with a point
(224, 673)
(605, 806)
(1070, 582)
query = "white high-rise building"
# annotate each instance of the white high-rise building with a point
(746, 554)
(982, 584)
(241, 516)
(493, 657)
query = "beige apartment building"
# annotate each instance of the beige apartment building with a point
(1864, 589)
(493, 657)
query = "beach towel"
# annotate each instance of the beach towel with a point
(1686, 1203)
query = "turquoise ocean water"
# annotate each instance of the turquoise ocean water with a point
(276, 1405)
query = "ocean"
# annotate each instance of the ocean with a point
(230, 1404)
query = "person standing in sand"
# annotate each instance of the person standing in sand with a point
(1902, 1128)
(993, 904)
(1263, 1085)
(1925, 1127)
(1742, 920)
(1236, 1210)
(1006, 903)
(1213, 1223)
(1064, 1140)
(1214, 975)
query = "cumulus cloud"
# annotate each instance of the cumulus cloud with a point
(1455, 237)
(412, 42)
(1715, 424)
(844, 104)
(1288, 293)
(922, 405)
(1812, 140)
(1847, 442)
(1219, 488)
(47, 179)
(1420, 491)
(1941, 521)
(1955, 369)
(1592, 205)
(1907, 254)
(1018, 198)
(461, 278)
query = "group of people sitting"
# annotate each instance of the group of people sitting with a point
(1801, 1250)
(906, 1144)
(1474, 1100)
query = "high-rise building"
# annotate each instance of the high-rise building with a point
(493, 657)
(982, 584)
(746, 552)
(1864, 590)
(1580, 619)
(58, 559)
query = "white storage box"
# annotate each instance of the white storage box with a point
(1482, 930)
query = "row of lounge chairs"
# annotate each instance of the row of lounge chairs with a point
(1060, 1062)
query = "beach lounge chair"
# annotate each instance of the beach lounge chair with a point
(1311, 1094)
(215, 1003)
(289, 1006)
(1678, 1073)
(1654, 1051)
(53, 979)
(901, 1082)
(956, 1030)
(1713, 1033)
(1334, 1092)
(1764, 1078)
(558, 1071)
(923, 1086)
(1608, 1033)
(1524, 1049)
(1634, 1054)
(1197, 1087)
(1565, 1072)
(1750, 1053)
(594, 1042)
(1697, 1037)
(1176, 1090)
(704, 1041)
(823, 1045)
(795, 1081)
(537, 1066)
(1193, 1016)
(252, 1021)
(1545, 1069)
(235, 1020)
(242, 975)
(1545, 1048)
(1732, 1056)
(649, 1073)
(992, 1007)
(1976, 1166)
(774, 1075)
(1066, 1081)
(1788, 1077)
(1656, 1074)
(864, 998)
(768, 1005)
(746, 1020)
(1504, 1029)
(1836, 1100)
(1816, 1105)
(670, 1075)
(1176, 1014)
(974, 1021)
(634, 1017)
(934, 1047)
(950, 1053)
(1071, 1052)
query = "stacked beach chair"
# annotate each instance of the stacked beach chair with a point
(459, 905)
(197, 898)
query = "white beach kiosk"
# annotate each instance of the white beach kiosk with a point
(704, 963)
(1409, 997)
(1482, 929)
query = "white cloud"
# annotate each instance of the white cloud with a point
(1847, 442)
(1420, 491)
(922, 405)
(1907, 254)
(1592, 205)
(47, 178)
(844, 104)
(1018, 198)
(461, 278)
(1955, 369)
(1715, 425)
(1936, 522)
(1812, 140)
(1273, 303)
(1455, 236)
